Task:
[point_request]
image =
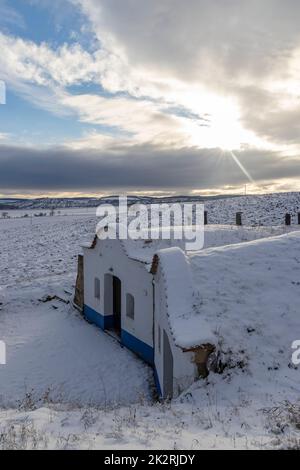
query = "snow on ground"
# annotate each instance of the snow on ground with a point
(267, 209)
(213, 425)
(50, 348)
(253, 308)
(53, 352)
(41, 247)
(220, 235)
(45, 246)
(68, 385)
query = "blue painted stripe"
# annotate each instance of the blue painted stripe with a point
(139, 347)
(106, 322)
(103, 321)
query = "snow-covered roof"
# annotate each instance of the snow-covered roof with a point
(214, 235)
(143, 250)
(257, 282)
(218, 288)
(140, 250)
(179, 297)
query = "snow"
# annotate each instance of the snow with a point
(179, 294)
(49, 346)
(144, 250)
(214, 235)
(220, 235)
(253, 299)
(41, 247)
(52, 351)
(231, 284)
(236, 285)
(266, 209)
(68, 385)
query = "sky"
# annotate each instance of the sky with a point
(140, 97)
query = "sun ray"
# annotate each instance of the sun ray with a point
(239, 164)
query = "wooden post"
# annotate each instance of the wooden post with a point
(287, 219)
(79, 291)
(238, 218)
(205, 217)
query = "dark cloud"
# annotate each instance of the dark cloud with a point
(140, 167)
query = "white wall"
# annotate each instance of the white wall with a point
(136, 280)
(185, 370)
(108, 257)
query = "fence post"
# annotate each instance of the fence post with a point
(287, 219)
(238, 218)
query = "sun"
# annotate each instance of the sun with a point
(222, 127)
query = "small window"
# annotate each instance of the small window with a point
(159, 338)
(130, 306)
(97, 288)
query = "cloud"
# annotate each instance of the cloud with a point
(43, 76)
(274, 116)
(185, 51)
(40, 65)
(141, 168)
(172, 83)
(138, 121)
(4, 136)
(191, 41)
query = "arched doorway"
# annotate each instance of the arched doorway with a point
(117, 304)
(113, 300)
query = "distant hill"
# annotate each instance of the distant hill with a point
(77, 202)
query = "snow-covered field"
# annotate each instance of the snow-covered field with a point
(52, 352)
(268, 209)
(68, 385)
